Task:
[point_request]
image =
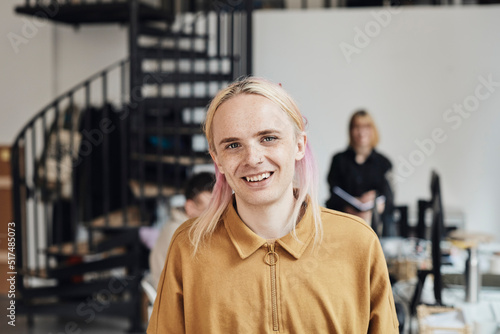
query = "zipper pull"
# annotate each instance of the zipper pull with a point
(271, 257)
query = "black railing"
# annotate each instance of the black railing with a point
(214, 5)
(70, 2)
(46, 155)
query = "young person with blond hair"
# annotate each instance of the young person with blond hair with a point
(265, 257)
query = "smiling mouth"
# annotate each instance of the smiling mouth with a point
(257, 178)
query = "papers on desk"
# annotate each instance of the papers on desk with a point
(495, 309)
(356, 203)
(448, 321)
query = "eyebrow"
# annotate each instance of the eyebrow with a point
(267, 132)
(228, 140)
(258, 134)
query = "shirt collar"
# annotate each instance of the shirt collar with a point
(247, 242)
(352, 153)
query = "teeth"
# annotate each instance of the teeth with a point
(258, 177)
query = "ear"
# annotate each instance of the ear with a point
(301, 146)
(214, 158)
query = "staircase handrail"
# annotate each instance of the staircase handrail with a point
(68, 93)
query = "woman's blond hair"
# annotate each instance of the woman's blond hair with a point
(363, 114)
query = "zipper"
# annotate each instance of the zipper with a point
(271, 259)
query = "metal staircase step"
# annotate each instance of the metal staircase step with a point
(111, 243)
(69, 249)
(70, 308)
(118, 239)
(151, 189)
(155, 52)
(163, 174)
(40, 273)
(118, 220)
(185, 160)
(176, 77)
(158, 32)
(171, 115)
(116, 258)
(95, 12)
(80, 289)
(66, 271)
(170, 130)
(175, 102)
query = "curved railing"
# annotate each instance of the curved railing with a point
(49, 155)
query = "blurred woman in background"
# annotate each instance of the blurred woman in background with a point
(363, 173)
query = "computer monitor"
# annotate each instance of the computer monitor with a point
(437, 233)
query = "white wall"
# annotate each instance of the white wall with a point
(26, 70)
(41, 60)
(86, 50)
(416, 66)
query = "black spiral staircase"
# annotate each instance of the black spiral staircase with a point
(89, 168)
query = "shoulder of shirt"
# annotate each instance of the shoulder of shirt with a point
(181, 235)
(342, 153)
(336, 219)
(383, 158)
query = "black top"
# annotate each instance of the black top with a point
(357, 179)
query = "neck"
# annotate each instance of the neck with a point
(362, 153)
(268, 221)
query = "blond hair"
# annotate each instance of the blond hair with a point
(305, 169)
(363, 114)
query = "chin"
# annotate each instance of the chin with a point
(258, 200)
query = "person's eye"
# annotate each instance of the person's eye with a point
(269, 138)
(233, 145)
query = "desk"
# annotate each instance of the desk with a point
(486, 312)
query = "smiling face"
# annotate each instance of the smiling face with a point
(255, 147)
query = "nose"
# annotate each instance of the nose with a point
(254, 155)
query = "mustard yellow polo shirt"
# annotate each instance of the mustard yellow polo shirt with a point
(238, 283)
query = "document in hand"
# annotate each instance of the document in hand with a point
(356, 203)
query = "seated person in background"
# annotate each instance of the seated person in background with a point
(198, 191)
(362, 172)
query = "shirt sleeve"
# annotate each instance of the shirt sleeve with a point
(383, 318)
(334, 179)
(168, 309)
(334, 173)
(387, 191)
